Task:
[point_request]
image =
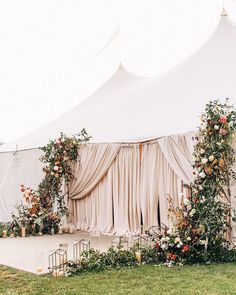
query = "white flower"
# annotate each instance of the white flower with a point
(168, 232)
(211, 158)
(178, 246)
(204, 160)
(200, 187)
(56, 168)
(216, 127)
(188, 238)
(181, 195)
(203, 242)
(203, 125)
(163, 240)
(177, 240)
(167, 239)
(189, 207)
(192, 212)
(186, 201)
(202, 151)
(164, 246)
(203, 199)
(202, 174)
(231, 123)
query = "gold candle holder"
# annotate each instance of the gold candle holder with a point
(4, 234)
(138, 256)
(23, 232)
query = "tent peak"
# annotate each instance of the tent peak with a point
(224, 12)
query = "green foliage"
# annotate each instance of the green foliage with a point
(200, 226)
(94, 260)
(37, 213)
(59, 156)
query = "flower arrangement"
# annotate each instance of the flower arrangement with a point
(200, 227)
(37, 213)
(58, 156)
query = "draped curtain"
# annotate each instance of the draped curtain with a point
(119, 186)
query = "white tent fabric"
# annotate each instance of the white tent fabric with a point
(164, 106)
(90, 111)
(132, 109)
(26, 159)
(18, 168)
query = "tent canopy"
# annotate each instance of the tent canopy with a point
(128, 108)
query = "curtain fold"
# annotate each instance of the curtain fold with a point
(119, 186)
(94, 161)
(177, 150)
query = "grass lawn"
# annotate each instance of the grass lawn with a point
(217, 279)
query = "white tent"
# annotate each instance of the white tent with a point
(130, 109)
(19, 160)
(166, 105)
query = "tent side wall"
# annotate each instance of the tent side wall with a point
(16, 168)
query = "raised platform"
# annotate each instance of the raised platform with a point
(21, 252)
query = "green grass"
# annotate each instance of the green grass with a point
(215, 279)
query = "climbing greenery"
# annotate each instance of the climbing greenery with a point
(37, 213)
(200, 228)
(59, 155)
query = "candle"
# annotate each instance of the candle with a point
(11, 235)
(71, 229)
(23, 232)
(60, 230)
(57, 273)
(66, 229)
(63, 260)
(4, 234)
(39, 268)
(138, 256)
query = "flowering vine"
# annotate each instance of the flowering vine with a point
(200, 227)
(38, 211)
(59, 155)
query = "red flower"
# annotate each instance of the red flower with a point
(185, 248)
(157, 246)
(22, 188)
(223, 120)
(172, 256)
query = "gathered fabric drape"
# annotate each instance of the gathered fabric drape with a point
(95, 159)
(178, 150)
(127, 185)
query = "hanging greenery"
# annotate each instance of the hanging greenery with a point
(37, 213)
(200, 227)
(59, 155)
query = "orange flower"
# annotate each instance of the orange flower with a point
(222, 163)
(172, 256)
(208, 170)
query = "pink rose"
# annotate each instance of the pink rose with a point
(223, 131)
(223, 119)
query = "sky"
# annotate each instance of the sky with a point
(50, 50)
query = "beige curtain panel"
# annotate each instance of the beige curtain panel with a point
(94, 161)
(119, 187)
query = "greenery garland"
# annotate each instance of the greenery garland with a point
(199, 229)
(59, 155)
(38, 214)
